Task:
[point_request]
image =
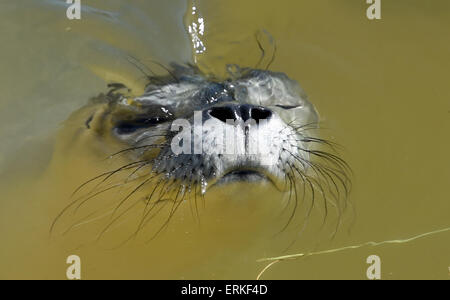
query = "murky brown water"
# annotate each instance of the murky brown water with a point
(380, 88)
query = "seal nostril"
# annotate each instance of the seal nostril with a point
(223, 113)
(242, 112)
(259, 113)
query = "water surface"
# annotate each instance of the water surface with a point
(381, 88)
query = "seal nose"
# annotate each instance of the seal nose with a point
(242, 112)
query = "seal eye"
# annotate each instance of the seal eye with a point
(131, 126)
(288, 106)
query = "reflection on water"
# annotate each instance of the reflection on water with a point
(379, 86)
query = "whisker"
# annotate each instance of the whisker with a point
(167, 69)
(137, 148)
(261, 48)
(131, 193)
(150, 136)
(130, 165)
(273, 55)
(291, 217)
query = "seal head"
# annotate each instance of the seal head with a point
(245, 128)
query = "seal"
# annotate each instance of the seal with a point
(191, 133)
